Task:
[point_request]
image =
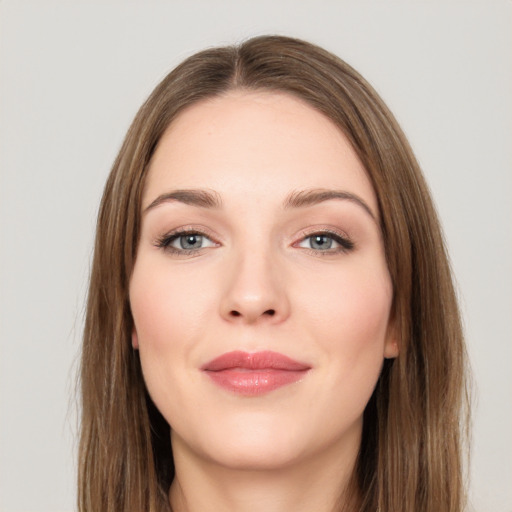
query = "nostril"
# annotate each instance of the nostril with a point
(268, 312)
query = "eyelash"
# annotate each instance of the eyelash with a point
(166, 240)
(345, 245)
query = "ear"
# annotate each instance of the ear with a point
(392, 343)
(135, 339)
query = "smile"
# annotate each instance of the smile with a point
(253, 374)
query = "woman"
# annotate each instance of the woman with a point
(271, 319)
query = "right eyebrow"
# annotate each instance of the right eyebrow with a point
(195, 197)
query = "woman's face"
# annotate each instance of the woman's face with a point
(260, 293)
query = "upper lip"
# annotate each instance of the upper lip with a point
(265, 360)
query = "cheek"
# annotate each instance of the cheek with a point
(167, 313)
(165, 306)
(355, 314)
(163, 322)
(349, 311)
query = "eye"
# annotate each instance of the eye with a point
(185, 242)
(191, 241)
(326, 242)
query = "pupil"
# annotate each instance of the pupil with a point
(190, 241)
(321, 242)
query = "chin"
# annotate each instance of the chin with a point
(255, 456)
(247, 441)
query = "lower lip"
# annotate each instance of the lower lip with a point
(254, 382)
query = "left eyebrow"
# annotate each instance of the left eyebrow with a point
(311, 197)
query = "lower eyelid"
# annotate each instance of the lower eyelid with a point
(172, 235)
(342, 240)
(175, 238)
(166, 241)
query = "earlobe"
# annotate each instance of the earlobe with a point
(392, 345)
(391, 350)
(135, 339)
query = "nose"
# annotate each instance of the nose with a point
(255, 290)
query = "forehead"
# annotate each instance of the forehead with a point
(256, 144)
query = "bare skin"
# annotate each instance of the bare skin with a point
(260, 233)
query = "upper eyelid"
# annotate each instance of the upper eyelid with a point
(339, 236)
(165, 240)
(219, 240)
(179, 234)
(343, 240)
(165, 244)
(191, 229)
(319, 230)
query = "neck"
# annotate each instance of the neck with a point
(322, 484)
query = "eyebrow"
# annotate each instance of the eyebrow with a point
(311, 197)
(297, 199)
(194, 197)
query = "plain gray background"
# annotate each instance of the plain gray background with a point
(73, 74)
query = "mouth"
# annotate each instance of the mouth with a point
(256, 373)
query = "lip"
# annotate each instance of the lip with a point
(255, 373)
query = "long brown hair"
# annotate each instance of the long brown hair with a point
(410, 458)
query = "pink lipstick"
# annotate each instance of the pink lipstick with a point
(254, 373)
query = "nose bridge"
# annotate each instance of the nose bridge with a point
(255, 290)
